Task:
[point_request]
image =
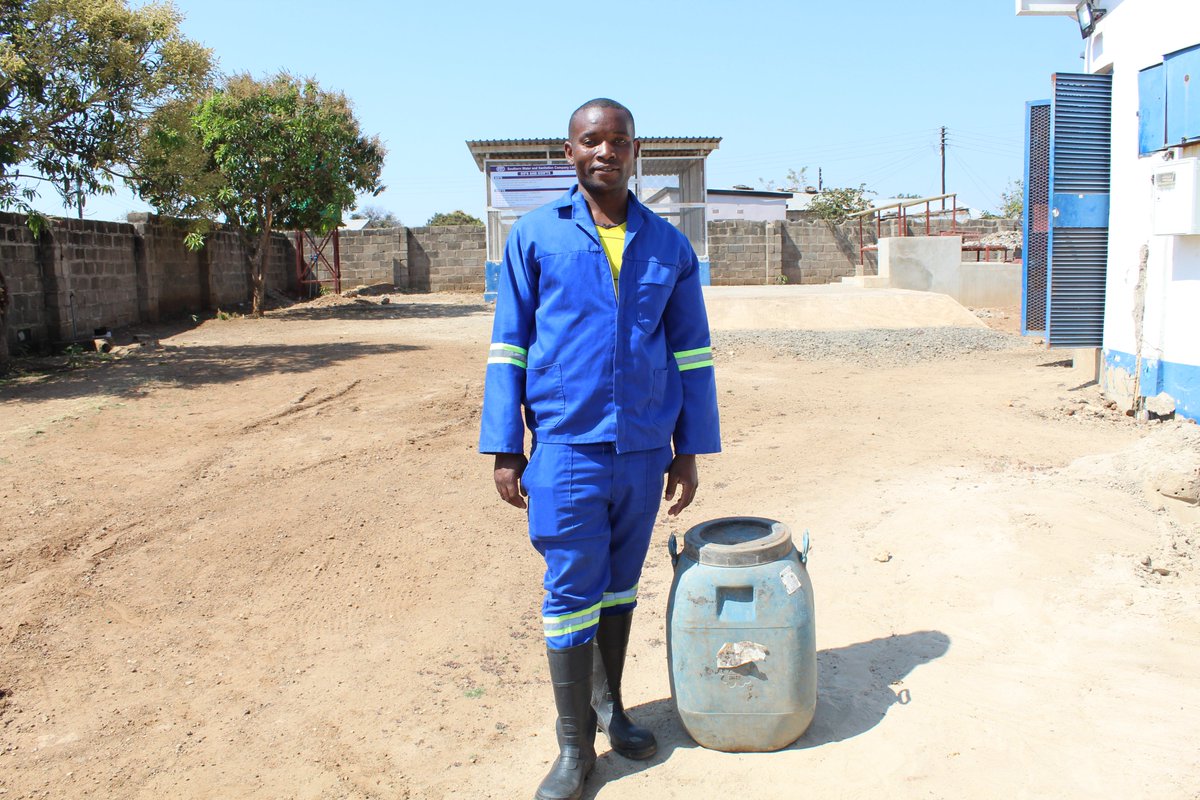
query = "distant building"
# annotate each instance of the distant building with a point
(746, 203)
(1112, 227)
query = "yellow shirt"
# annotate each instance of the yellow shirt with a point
(613, 242)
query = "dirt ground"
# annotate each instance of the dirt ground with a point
(265, 561)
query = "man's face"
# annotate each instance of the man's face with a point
(602, 149)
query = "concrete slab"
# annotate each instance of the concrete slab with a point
(831, 307)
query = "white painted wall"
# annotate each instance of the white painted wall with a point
(1133, 35)
(726, 206)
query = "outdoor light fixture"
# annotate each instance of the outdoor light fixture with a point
(1088, 15)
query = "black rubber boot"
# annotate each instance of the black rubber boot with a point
(626, 737)
(571, 674)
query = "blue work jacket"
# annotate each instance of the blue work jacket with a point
(589, 363)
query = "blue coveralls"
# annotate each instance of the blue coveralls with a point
(609, 380)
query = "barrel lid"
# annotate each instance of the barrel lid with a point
(738, 542)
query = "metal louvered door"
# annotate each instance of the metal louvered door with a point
(1077, 250)
(1037, 217)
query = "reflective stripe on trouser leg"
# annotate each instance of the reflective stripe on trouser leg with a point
(591, 511)
(636, 495)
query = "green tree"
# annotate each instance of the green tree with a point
(453, 218)
(836, 204)
(279, 153)
(794, 181)
(377, 217)
(77, 80)
(1012, 199)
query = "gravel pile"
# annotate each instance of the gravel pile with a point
(875, 347)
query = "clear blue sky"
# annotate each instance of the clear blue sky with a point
(858, 89)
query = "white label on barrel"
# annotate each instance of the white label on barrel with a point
(791, 581)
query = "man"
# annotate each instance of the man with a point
(600, 334)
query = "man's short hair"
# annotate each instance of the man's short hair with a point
(601, 102)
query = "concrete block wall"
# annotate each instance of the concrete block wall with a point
(374, 255)
(172, 280)
(80, 275)
(92, 279)
(742, 252)
(969, 228)
(20, 259)
(446, 258)
(818, 251)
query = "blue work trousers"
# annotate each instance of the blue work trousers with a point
(591, 512)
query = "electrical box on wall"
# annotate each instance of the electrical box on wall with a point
(1176, 196)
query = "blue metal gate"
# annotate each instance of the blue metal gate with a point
(1077, 247)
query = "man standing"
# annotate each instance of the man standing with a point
(600, 335)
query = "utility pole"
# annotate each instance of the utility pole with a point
(943, 166)
(820, 179)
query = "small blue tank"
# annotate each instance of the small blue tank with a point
(741, 640)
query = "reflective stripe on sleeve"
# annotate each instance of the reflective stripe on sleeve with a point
(569, 623)
(610, 599)
(694, 359)
(501, 353)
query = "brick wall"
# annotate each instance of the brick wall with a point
(811, 251)
(744, 252)
(374, 255)
(820, 252)
(20, 259)
(446, 258)
(80, 275)
(109, 274)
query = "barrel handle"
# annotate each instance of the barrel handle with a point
(673, 550)
(804, 544)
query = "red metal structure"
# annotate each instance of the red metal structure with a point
(902, 216)
(315, 270)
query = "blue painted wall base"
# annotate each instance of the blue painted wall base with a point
(491, 280)
(1180, 381)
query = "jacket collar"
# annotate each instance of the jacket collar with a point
(635, 214)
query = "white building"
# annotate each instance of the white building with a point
(747, 203)
(1116, 214)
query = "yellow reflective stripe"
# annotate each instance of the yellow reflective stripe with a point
(564, 631)
(611, 599)
(561, 626)
(572, 615)
(697, 365)
(501, 353)
(696, 352)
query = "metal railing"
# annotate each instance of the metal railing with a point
(902, 216)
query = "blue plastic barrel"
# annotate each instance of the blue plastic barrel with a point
(741, 640)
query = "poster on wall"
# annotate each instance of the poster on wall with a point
(526, 186)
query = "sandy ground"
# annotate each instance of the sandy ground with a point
(264, 561)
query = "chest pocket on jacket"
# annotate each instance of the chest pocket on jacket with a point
(655, 283)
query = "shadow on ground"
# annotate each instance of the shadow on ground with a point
(359, 308)
(190, 367)
(856, 686)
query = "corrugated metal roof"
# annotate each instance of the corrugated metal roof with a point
(515, 149)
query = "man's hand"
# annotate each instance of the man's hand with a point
(509, 468)
(682, 473)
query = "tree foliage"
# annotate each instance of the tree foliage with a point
(836, 204)
(377, 217)
(794, 181)
(78, 78)
(453, 218)
(279, 153)
(1012, 199)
